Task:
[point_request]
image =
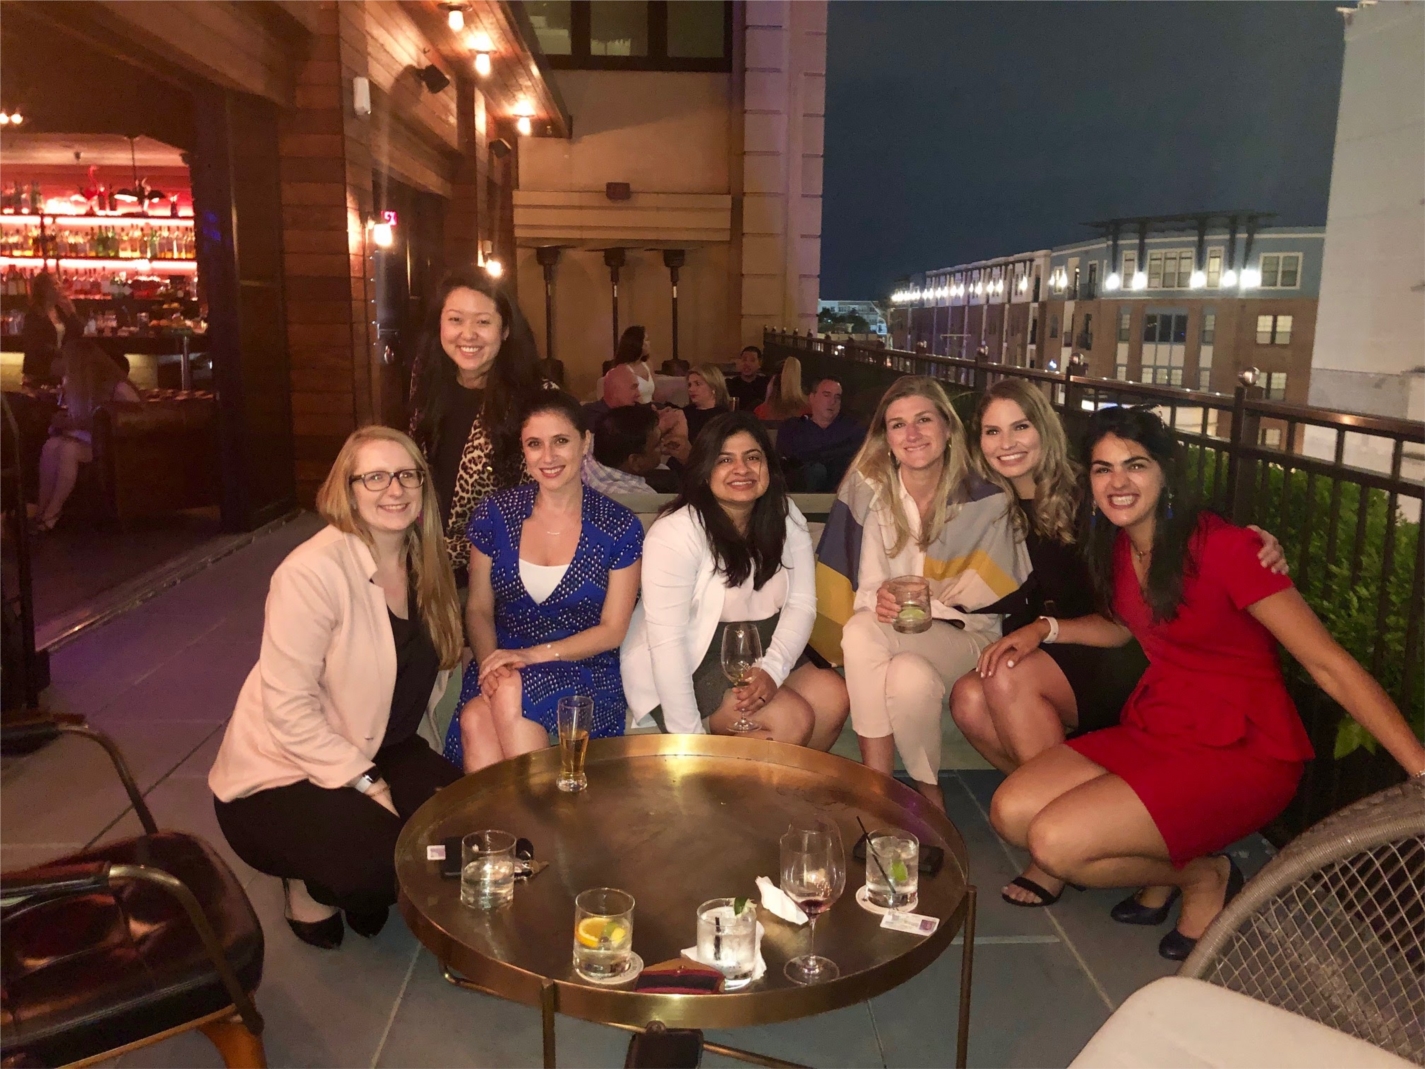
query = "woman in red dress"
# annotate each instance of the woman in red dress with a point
(1210, 747)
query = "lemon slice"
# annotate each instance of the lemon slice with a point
(912, 612)
(590, 930)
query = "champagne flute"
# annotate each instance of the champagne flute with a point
(741, 653)
(813, 876)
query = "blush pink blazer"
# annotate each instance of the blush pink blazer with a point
(315, 705)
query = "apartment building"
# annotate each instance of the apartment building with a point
(1185, 300)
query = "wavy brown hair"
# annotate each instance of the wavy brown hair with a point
(875, 463)
(717, 382)
(425, 542)
(1057, 493)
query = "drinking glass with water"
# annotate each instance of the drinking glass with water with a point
(912, 594)
(487, 869)
(727, 939)
(893, 870)
(575, 722)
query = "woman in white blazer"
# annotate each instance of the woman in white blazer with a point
(730, 547)
(321, 763)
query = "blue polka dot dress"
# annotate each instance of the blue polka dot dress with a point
(611, 538)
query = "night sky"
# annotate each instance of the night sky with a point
(958, 131)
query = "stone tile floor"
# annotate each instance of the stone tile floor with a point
(162, 679)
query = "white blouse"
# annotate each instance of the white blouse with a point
(744, 603)
(541, 579)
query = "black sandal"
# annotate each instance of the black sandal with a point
(1045, 898)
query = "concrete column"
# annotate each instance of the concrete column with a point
(784, 104)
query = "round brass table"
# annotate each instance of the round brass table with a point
(675, 820)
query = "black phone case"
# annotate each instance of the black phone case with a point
(932, 858)
(675, 1047)
(450, 866)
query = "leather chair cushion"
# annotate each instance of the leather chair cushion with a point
(88, 973)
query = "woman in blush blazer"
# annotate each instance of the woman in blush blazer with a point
(321, 764)
(730, 548)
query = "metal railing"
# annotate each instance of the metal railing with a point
(1342, 490)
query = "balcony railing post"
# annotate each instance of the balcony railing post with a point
(982, 371)
(1242, 470)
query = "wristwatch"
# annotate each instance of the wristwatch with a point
(367, 780)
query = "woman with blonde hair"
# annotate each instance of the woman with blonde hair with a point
(912, 506)
(785, 397)
(707, 398)
(1061, 690)
(321, 764)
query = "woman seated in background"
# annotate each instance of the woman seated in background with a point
(634, 350)
(91, 379)
(913, 506)
(730, 548)
(785, 397)
(707, 398)
(1210, 747)
(554, 571)
(321, 765)
(1016, 714)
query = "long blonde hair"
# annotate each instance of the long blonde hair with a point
(877, 465)
(717, 382)
(789, 400)
(425, 541)
(1056, 479)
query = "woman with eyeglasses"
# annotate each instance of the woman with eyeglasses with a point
(321, 763)
(554, 574)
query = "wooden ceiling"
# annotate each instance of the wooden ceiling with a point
(520, 77)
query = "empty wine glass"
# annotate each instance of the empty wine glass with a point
(813, 876)
(741, 654)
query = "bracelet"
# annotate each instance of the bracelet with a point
(1053, 635)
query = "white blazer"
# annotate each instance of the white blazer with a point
(316, 704)
(679, 612)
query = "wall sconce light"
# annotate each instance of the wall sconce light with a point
(1140, 280)
(454, 16)
(1113, 281)
(524, 126)
(494, 268)
(1229, 277)
(382, 231)
(1197, 280)
(11, 118)
(433, 78)
(1251, 278)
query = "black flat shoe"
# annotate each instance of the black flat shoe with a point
(1131, 911)
(369, 923)
(324, 935)
(1175, 946)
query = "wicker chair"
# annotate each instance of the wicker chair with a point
(1333, 927)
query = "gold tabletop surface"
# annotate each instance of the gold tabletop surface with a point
(674, 820)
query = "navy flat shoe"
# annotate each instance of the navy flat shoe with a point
(1175, 946)
(1131, 911)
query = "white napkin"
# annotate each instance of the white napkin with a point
(776, 902)
(758, 971)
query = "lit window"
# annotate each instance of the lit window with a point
(1264, 330)
(1276, 386)
(1209, 328)
(1155, 270)
(552, 21)
(1272, 437)
(1291, 270)
(1214, 267)
(1125, 319)
(1283, 331)
(1130, 268)
(1170, 271)
(1271, 271)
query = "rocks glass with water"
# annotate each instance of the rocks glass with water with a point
(893, 870)
(727, 939)
(912, 594)
(575, 716)
(603, 935)
(487, 869)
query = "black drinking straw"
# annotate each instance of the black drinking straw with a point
(871, 853)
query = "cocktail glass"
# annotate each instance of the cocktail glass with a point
(727, 939)
(912, 594)
(893, 870)
(603, 934)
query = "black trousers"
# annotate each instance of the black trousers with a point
(340, 843)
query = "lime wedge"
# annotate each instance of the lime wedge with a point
(738, 905)
(898, 871)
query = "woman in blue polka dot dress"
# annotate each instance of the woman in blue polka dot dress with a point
(554, 574)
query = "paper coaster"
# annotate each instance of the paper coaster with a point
(863, 899)
(635, 966)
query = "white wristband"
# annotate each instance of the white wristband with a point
(1053, 635)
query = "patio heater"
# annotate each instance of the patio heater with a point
(614, 260)
(673, 259)
(548, 257)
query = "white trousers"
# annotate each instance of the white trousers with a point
(898, 683)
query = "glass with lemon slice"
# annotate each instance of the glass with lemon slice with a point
(603, 936)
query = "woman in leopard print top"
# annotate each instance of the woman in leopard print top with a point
(476, 366)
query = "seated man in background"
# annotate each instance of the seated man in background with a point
(627, 451)
(620, 390)
(748, 388)
(817, 448)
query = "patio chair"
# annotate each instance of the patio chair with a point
(126, 944)
(1331, 931)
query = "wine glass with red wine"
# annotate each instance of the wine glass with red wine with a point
(813, 876)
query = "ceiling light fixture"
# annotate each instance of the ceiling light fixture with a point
(482, 64)
(494, 268)
(454, 16)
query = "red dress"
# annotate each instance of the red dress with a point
(1210, 741)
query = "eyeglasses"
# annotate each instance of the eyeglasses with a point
(376, 481)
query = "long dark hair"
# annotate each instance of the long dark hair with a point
(514, 375)
(1176, 516)
(736, 556)
(630, 346)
